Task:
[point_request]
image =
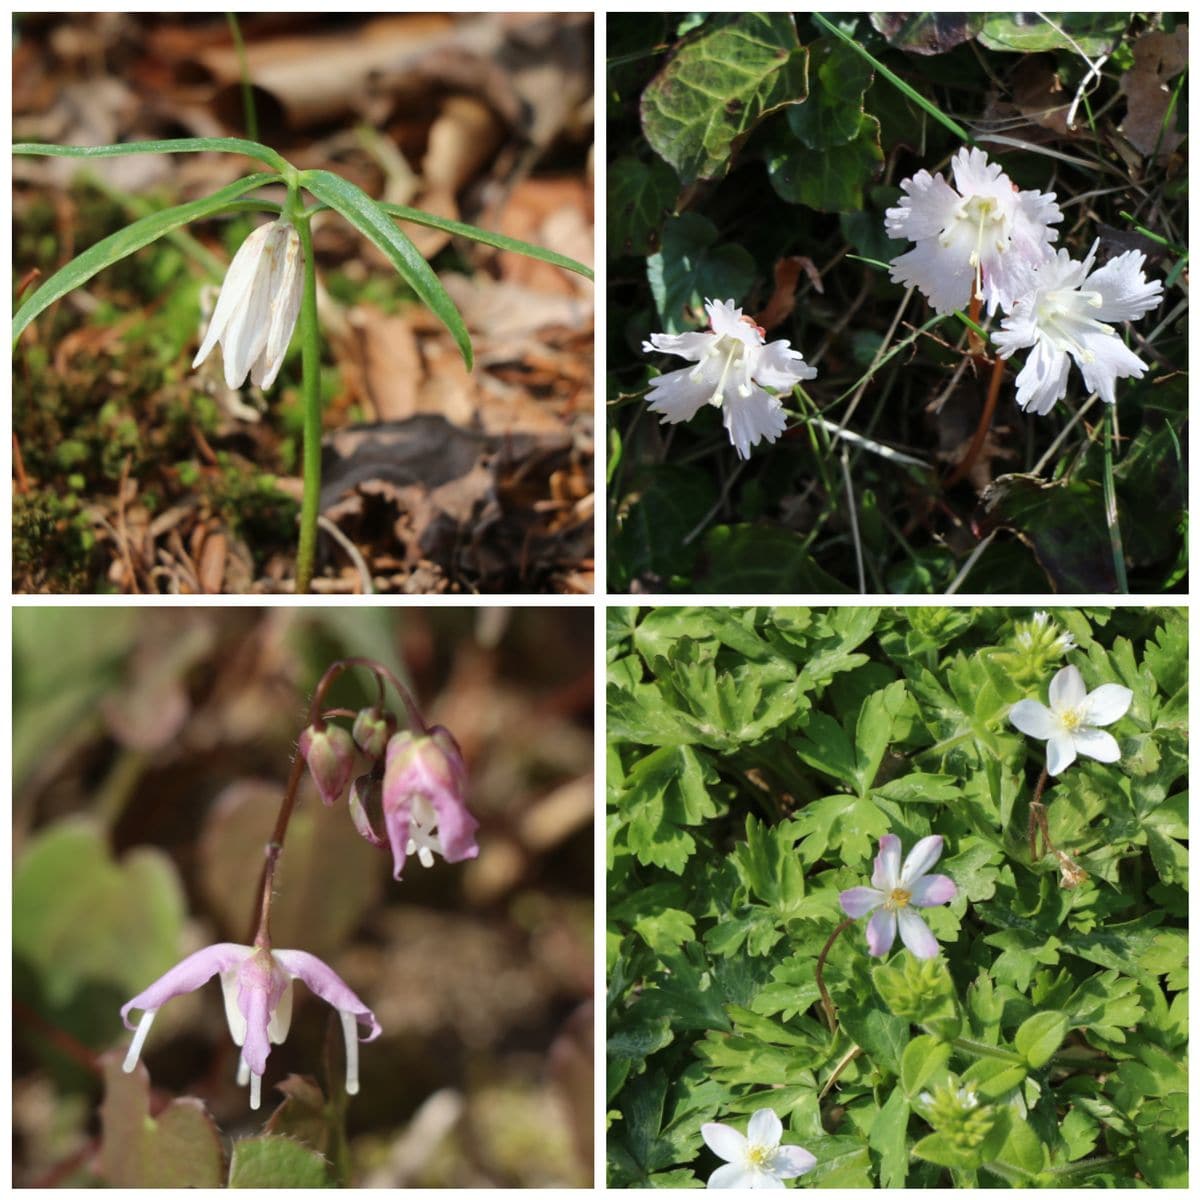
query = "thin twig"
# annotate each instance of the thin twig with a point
(826, 999)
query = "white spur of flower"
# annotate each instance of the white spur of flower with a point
(976, 236)
(734, 364)
(1065, 314)
(257, 309)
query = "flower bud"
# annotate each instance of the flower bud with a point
(372, 728)
(329, 753)
(424, 801)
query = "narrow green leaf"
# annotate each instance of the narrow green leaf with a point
(374, 222)
(165, 146)
(125, 241)
(485, 236)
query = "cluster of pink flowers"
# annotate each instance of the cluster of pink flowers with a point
(420, 781)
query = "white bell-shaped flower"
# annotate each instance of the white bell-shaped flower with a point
(257, 309)
(1064, 315)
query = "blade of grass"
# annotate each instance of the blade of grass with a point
(1110, 506)
(895, 80)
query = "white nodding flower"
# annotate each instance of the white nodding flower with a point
(754, 1159)
(257, 309)
(974, 236)
(734, 364)
(1069, 725)
(1064, 315)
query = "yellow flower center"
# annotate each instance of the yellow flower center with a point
(897, 899)
(758, 1156)
(1070, 719)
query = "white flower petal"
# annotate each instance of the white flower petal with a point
(287, 291)
(732, 1175)
(1108, 703)
(929, 207)
(679, 395)
(791, 1161)
(779, 366)
(1124, 291)
(1067, 690)
(881, 932)
(727, 320)
(1042, 382)
(1111, 360)
(1034, 719)
(724, 1141)
(920, 858)
(765, 1128)
(750, 419)
(1097, 744)
(886, 876)
(916, 935)
(692, 346)
(858, 901)
(1060, 753)
(944, 279)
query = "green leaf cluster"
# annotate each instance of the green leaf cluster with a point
(755, 757)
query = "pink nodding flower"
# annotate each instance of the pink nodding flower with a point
(257, 983)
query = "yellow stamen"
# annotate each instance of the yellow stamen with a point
(897, 899)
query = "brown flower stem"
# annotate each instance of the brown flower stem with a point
(826, 999)
(261, 928)
(381, 674)
(317, 716)
(985, 423)
(1037, 819)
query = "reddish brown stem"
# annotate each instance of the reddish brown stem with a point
(1037, 818)
(381, 673)
(985, 423)
(826, 999)
(260, 930)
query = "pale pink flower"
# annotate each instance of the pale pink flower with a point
(974, 236)
(257, 984)
(896, 891)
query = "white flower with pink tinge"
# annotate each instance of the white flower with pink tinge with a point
(896, 891)
(974, 236)
(734, 363)
(754, 1159)
(1068, 726)
(1064, 315)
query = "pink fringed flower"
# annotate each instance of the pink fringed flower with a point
(977, 235)
(896, 891)
(257, 983)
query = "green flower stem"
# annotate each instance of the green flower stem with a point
(983, 1050)
(1110, 506)
(310, 382)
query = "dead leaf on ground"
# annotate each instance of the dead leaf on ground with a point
(1157, 58)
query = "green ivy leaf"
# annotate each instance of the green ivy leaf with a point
(691, 268)
(641, 196)
(703, 104)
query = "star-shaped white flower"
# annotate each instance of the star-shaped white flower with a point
(894, 893)
(734, 363)
(754, 1159)
(1068, 726)
(1064, 315)
(975, 236)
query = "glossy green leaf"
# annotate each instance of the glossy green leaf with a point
(708, 98)
(373, 221)
(124, 242)
(692, 267)
(641, 196)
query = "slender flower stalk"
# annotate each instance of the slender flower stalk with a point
(310, 368)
